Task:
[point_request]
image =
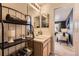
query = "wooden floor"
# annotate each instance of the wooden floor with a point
(63, 50)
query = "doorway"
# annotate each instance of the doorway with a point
(63, 32)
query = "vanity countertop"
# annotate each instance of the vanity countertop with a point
(42, 38)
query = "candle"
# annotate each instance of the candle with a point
(11, 35)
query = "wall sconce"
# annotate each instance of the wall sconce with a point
(11, 35)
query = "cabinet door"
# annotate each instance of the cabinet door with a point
(45, 52)
(38, 49)
(49, 47)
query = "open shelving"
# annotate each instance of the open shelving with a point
(16, 21)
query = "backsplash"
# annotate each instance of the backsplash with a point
(45, 31)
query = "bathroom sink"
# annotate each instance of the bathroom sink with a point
(41, 38)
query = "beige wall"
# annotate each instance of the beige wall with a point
(20, 7)
(76, 28)
(49, 8)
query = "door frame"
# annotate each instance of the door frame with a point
(54, 28)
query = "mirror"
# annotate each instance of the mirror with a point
(45, 21)
(37, 22)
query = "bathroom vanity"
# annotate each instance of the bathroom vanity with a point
(42, 45)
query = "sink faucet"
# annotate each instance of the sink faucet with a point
(39, 32)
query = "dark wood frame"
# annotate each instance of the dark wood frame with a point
(5, 45)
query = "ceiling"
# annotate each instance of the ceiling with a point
(42, 4)
(62, 13)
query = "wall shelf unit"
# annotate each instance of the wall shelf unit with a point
(20, 45)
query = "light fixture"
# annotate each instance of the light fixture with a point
(35, 6)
